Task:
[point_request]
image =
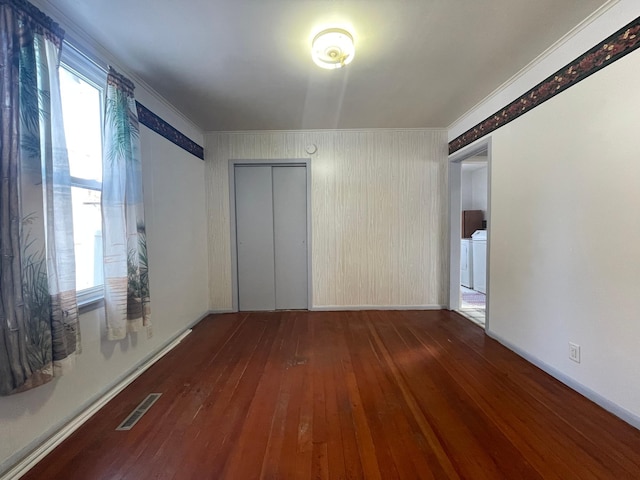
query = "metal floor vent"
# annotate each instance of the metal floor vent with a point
(140, 410)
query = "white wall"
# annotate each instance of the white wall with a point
(174, 198)
(466, 190)
(473, 188)
(564, 220)
(176, 236)
(565, 227)
(479, 189)
(379, 203)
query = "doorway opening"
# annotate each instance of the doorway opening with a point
(473, 248)
(469, 200)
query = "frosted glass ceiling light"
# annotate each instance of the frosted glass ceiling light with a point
(332, 48)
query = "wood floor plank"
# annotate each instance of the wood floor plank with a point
(230, 405)
(553, 434)
(463, 431)
(263, 414)
(388, 405)
(298, 366)
(473, 384)
(341, 367)
(458, 411)
(408, 454)
(554, 395)
(353, 395)
(271, 404)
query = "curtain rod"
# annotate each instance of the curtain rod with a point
(103, 66)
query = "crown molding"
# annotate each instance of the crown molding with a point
(504, 87)
(98, 54)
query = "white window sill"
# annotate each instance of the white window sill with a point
(90, 299)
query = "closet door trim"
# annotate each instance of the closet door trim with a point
(306, 162)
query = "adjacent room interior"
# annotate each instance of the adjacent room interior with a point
(473, 246)
(319, 239)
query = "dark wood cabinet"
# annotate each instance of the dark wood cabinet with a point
(471, 221)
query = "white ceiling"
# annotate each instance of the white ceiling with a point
(245, 64)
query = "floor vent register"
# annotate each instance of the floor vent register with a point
(140, 410)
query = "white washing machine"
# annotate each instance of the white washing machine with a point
(479, 247)
(466, 263)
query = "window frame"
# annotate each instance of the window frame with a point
(76, 62)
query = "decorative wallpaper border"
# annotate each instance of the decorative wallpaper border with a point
(158, 125)
(624, 41)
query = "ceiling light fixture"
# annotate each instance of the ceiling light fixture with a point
(332, 48)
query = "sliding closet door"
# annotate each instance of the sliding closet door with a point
(254, 236)
(271, 236)
(290, 236)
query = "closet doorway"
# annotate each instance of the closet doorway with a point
(270, 232)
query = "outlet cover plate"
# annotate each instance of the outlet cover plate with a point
(574, 352)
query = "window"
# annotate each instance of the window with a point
(82, 107)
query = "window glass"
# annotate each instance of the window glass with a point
(87, 233)
(82, 117)
(81, 105)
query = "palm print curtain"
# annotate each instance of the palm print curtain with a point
(123, 228)
(39, 331)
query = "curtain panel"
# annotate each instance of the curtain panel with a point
(123, 228)
(39, 332)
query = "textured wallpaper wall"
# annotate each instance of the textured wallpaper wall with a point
(379, 213)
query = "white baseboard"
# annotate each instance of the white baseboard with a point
(220, 311)
(620, 412)
(47, 445)
(338, 308)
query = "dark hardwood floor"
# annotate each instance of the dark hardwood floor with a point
(347, 395)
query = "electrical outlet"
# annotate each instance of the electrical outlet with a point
(574, 352)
